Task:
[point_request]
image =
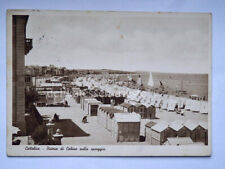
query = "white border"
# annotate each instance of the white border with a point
(110, 150)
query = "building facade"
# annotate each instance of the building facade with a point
(20, 47)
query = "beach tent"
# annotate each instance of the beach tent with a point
(181, 102)
(153, 100)
(188, 104)
(172, 104)
(195, 105)
(165, 102)
(204, 107)
(158, 102)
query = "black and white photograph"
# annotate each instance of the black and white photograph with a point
(104, 83)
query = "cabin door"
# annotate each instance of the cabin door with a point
(94, 110)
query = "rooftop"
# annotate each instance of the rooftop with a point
(176, 125)
(150, 124)
(191, 125)
(127, 117)
(125, 105)
(161, 126)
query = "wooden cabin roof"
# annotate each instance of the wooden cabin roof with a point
(150, 124)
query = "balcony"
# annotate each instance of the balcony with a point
(28, 45)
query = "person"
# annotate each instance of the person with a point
(56, 117)
(66, 103)
(84, 120)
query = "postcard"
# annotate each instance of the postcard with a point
(104, 83)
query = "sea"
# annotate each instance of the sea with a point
(193, 84)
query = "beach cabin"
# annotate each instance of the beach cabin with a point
(200, 133)
(159, 133)
(127, 107)
(203, 132)
(191, 126)
(148, 131)
(178, 129)
(126, 127)
(102, 114)
(141, 109)
(82, 98)
(86, 106)
(93, 107)
(150, 112)
(110, 116)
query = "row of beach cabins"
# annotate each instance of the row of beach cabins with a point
(186, 132)
(162, 101)
(122, 119)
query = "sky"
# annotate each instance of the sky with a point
(158, 42)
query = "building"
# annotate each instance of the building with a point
(127, 107)
(150, 112)
(148, 131)
(191, 126)
(159, 133)
(93, 107)
(102, 116)
(110, 114)
(141, 109)
(126, 127)
(198, 131)
(178, 129)
(85, 104)
(20, 47)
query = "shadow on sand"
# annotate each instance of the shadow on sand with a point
(69, 128)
